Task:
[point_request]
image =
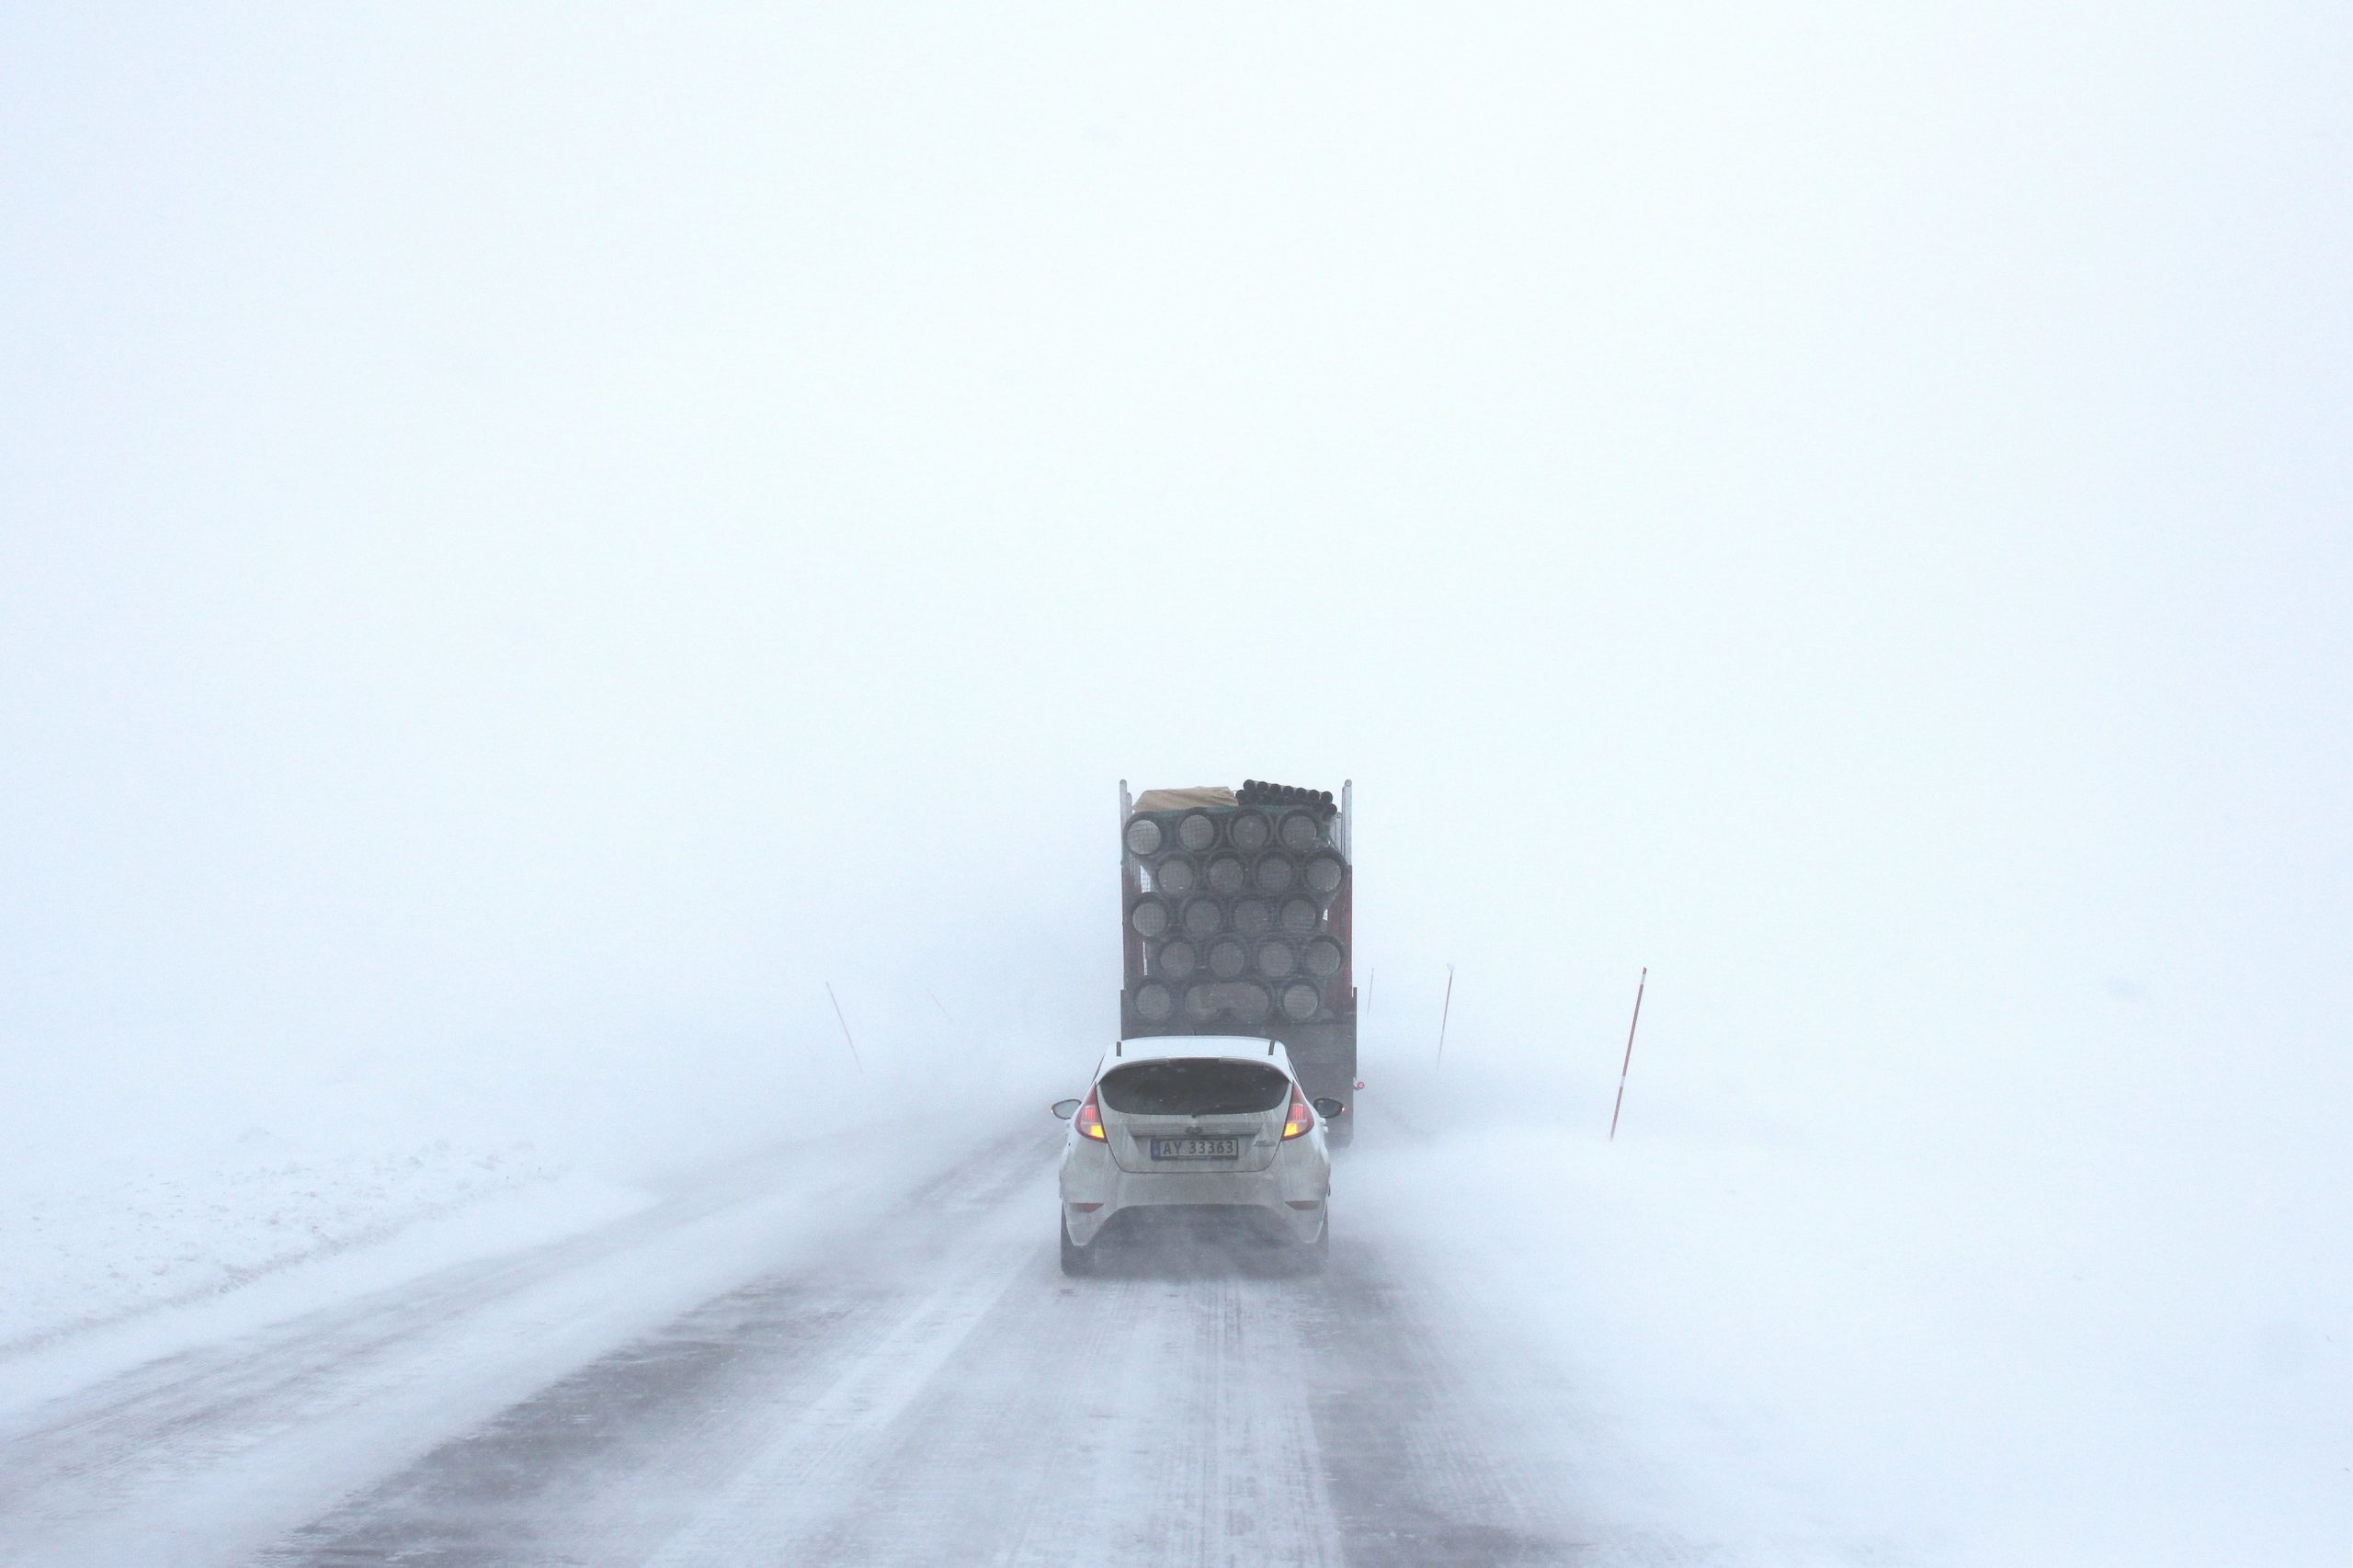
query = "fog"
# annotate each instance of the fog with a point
(537, 540)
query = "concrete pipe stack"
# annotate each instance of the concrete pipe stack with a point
(1237, 911)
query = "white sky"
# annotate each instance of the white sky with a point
(547, 532)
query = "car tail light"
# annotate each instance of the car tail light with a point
(1089, 1120)
(1298, 1121)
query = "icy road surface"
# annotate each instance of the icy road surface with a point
(788, 1369)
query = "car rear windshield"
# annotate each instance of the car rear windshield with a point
(1205, 1086)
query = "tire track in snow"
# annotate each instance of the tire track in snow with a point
(202, 1457)
(628, 1451)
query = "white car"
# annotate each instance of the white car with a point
(1182, 1130)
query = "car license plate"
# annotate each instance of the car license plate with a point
(1196, 1148)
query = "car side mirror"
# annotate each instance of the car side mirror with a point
(1327, 1108)
(1063, 1109)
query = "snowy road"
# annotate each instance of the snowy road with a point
(822, 1377)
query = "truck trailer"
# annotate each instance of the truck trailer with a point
(1238, 917)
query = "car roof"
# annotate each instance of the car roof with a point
(1161, 1046)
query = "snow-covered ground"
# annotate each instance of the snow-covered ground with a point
(1731, 1335)
(1990, 1357)
(198, 1434)
(818, 1357)
(94, 1245)
(1748, 1346)
(124, 1195)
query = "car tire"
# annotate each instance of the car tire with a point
(1077, 1261)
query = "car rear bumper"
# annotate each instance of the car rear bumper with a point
(1286, 1200)
(1210, 1226)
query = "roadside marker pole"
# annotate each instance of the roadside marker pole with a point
(1622, 1066)
(846, 1034)
(1443, 1011)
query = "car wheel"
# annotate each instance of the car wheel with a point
(1077, 1259)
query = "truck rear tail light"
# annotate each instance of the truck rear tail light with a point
(1089, 1120)
(1298, 1121)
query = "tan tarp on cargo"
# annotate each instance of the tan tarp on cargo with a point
(1205, 796)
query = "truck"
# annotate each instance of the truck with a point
(1237, 917)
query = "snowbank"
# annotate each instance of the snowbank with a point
(82, 1252)
(175, 1180)
(123, 1194)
